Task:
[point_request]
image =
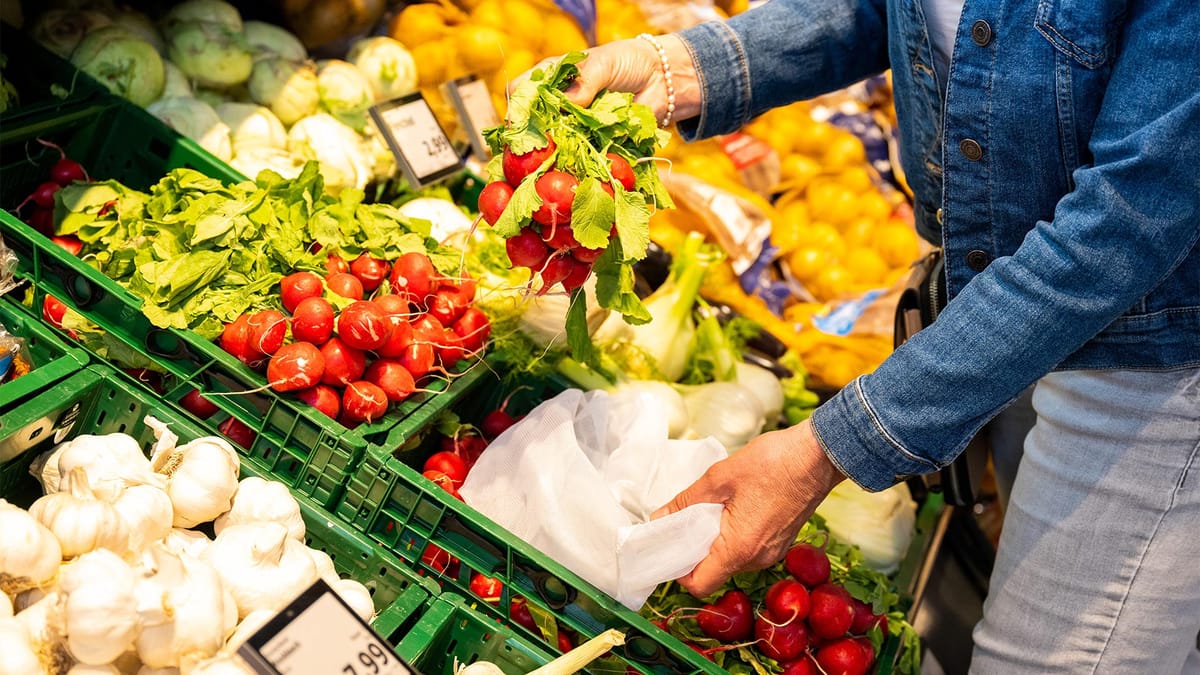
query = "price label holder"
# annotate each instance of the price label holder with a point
(475, 109)
(422, 149)
(318, 634)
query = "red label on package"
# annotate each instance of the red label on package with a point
(744, 150)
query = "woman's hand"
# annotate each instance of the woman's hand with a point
(634, 66)
(769, 488)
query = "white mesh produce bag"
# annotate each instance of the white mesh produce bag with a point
(578, 478)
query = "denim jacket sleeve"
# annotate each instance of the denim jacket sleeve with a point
(1131, 219)
(783, 51)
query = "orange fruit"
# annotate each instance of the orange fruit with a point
(419, 23)
(897, 243)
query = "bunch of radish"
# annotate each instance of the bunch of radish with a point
(806, 623)
(546, 243)
(41, 214)
(378, 350)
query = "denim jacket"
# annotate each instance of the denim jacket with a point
(1060, 174)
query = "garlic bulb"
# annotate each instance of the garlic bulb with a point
(147, 670)
(111, 457)
(29, 552)
(249, 626)
(479, 668)
(261, 565)
(79, 520)
(230, 620)
(259, 500)
(181, 608)
(84, 669)
(357, 596)
(325, 568)
(44, 622)
(202, 479)
(100, 613)
(29, 598)
(228, 664)
(18, 654)
(186, 542)
(147, 512)
(6, 607)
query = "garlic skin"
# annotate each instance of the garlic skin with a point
(147, 670)
(249, 626)
(6, 607)
(261, 565)
(325, 568)
(111, 457)
(357, 596)
(229, 664)
(100, 611)
(202, 477)
(29, 551)
(230, 620)
(147, 513)
(181, 605)
(18, 654)
(79, 520)
(480, 668)
(186, 542)
(84, 669)
(259, 500)
(44, 622)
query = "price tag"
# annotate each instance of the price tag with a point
(318, 634)
(475, 109)
(420, 145)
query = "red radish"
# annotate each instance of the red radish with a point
(518, 612)
(587, 255)
(564, 641)
(526, 249)
(441, 480)
(801, 666)
(296, 287)
(467, 446)
(43, 194)
(322, 397)
(496, 422)
(868, 650)
(395, 381)
(557, 190)
(69, 243)
(729, 619)
(312, 321)
(335, 265)
(267, 330)
(830, 613)
(700, 650)
(346, 285)
(863, 617)
(493, 199)
(808, 564)
(42, 220)
(621, 171)
(363, 325)
(393, 305)
(486, 587)
(298, 365)
(148, 378)
(66, 171)
(516, 167)
(437, 558)
(427, 328)
(474, 328)
(843, 657)
(53, 311)
(195, 403)
(464, 289)
(412, 277)
(363, 401)
(235, 339)
(449, 348)
(398, 340)
(239, 433)
(557, 269)
(782, 642)
(787, 600)
(343, 364)
(444, 305)
(448, 463)
(418, 358)
(560, 237)
(370, 271)
(577, 276)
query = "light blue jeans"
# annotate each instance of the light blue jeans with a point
(1098, 569)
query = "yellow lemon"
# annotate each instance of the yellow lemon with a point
(874, 205)
(797, 171)
(517, 62)
(418, 24)
(831, 201)
(843, 150)
(481, 48)
(432, 59)
(832, 281)
(523, 22)
(897, 243)
(867, 267)
(489, 13)
(812, 137)
(859, 232)
(856, 178)
(825, 237)
(807, 262)
(562, 35)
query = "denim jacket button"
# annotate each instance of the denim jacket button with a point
(978, 260)
(981, 33)
(970, 149)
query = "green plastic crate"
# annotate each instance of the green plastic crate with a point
(450, 630)
(97, 400)
(53, 359)
(48, 86)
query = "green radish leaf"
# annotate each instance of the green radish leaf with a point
(578, 338)
(592, 214)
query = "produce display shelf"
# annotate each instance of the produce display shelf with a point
(294, 442)
(53, 359)
(449, 631)
(49, 87)
(98, 400)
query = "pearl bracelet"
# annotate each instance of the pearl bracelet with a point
(666, 67)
